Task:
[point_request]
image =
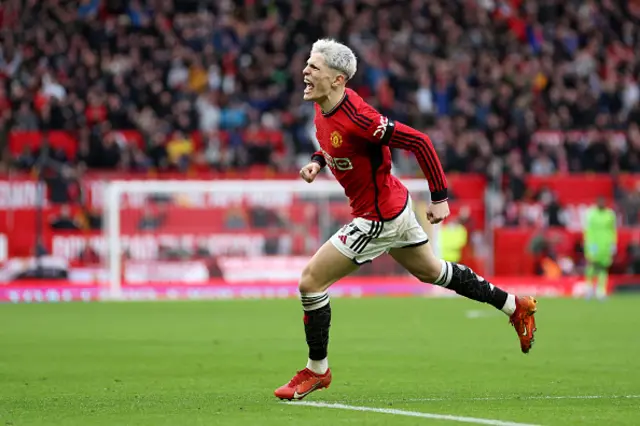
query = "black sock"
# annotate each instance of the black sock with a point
(317, 320)
(467, 283)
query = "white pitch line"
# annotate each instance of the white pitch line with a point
(511, 398)
(396, 412)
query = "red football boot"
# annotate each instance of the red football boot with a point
(524, 322)
(302, 384)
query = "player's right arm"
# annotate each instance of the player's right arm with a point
(311, 170)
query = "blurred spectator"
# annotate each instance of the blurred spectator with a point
(516, 185)
(453, 238)
(25, 119)
(64, 221)
(259, 150)
(157, 152)
(208, 111)
(150, 221)
(111, 154)
(553, 212)
(630, 205)
(215, 155)
(633, 253)
(26, 160)
(179, 151)
(235, 219)
(264, 218)
(542, 164)
(133, 159)
(548, 267)
(90, 219)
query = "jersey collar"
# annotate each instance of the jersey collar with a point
(336, 106)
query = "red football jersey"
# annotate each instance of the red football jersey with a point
(355, 142)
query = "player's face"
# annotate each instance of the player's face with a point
(318, 78)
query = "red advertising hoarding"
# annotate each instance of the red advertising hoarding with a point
(30, 292)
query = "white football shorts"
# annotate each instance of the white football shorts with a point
(363, 240)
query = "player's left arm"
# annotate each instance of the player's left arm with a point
(587, 229)
(408, 138)
(382, 130)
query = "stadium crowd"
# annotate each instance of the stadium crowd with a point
(480, 75)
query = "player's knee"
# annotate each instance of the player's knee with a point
(428, 277)
(310, 281)
(430, 272)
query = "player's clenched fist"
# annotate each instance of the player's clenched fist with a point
(310, 171)
(438, 212)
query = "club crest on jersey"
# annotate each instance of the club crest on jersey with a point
(336, 139)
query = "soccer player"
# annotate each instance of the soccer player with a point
(600, 242)
(355, 142)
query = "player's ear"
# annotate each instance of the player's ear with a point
(339, 80)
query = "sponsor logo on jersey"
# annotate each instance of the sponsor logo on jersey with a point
(336, 139)
(341, 164)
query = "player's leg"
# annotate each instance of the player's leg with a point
(601, 286)
(326, 267)
(602, 275)
(413, 251)
(589, 274)
(421, 262)
(591, 270)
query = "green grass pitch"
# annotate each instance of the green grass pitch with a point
(217, 363)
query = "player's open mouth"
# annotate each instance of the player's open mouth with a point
(308, 87)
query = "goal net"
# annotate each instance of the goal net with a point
(233, 238)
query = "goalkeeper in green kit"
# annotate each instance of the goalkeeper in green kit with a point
(600, 240)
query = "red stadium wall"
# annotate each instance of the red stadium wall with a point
(19, 226)
(574, 189)
(511, 253)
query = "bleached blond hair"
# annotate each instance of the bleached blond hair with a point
(337, 56)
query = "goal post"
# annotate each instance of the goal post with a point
(193, 209)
